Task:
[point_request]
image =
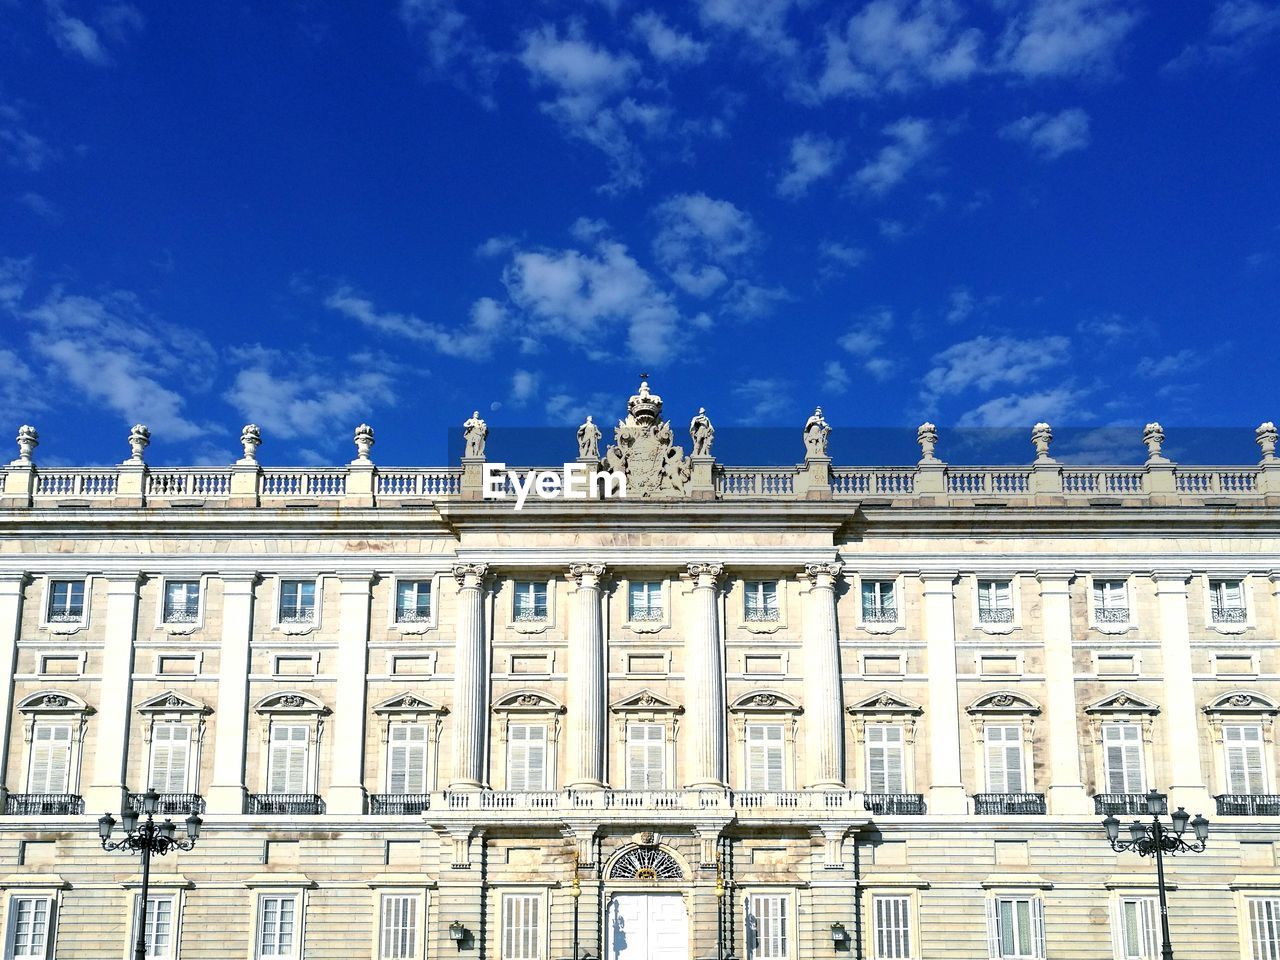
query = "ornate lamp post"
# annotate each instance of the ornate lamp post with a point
(1156, 840)
(148, 837)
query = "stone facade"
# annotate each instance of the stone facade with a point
(755, 702)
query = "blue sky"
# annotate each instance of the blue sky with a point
(310, 214)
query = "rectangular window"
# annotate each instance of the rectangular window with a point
(66, 601)
(526, 757)
(181, 601)
(297, 601)
(646, 756)
(1122, 753)
(1015, 928)
(161, 934)
(765, 757)
(399, 939)
(885, 767)
(1004, 758)
(1110, 601)
(1264, 928)
(521, 927)
(50, 759)
(1226, 601)
(879, 604)
(30, 928)
(644, 601)
(407, 758)
(760, 601)
(290, 749)
(767, 926)
(170, 757)
(891, 916)
(531, 601)
(278, 927)
(1134, 927)
(995, 601)
(413, 601)
(1243, 748)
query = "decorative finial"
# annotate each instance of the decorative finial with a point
(1153, 437)
(927, 437)
(363, 440)
(1041, 437)
(139, 438)
(250, 439)
(1266, 437)
(816, 431)
(28, 440)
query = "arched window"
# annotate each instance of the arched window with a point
(646, 863)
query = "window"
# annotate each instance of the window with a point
(531, 601)
(995, 601)
(644, 601)
(1110, 601)
(407, 758)
(278, 927)
(399, 940)
(878, 602)
(891, 933)
(297, 601)
(181, 601)
(1134, 928)
(885, 765)
(170, 757)
(521, 927)
(526, 756)
(1004, 759)
(1264, 928)
(646, 756)
(767, 926)
(764, 757)
(30, 928)
(287, 768)
(1242, 746)
(1015, 928)
(1226, 601)
(760, 601)
(160, 934)
(50, 759)
(1122, 756)
(66, 601)
(413, 601)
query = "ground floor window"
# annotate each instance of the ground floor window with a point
(891, 927)
(767, 922)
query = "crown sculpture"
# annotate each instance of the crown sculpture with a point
(644, 449)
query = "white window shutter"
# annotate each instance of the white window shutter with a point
(993, 930)
(877, 760)
(1037, 927)
(537, 758)
(1117, 929)
(170, 757)
(756, 760)
(51, 758)
(288, 762)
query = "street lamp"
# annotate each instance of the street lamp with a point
(1156, 840)
(148, 837)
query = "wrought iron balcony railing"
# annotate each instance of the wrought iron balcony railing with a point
(1248, 805)
(297, 614)
(1120, 804)
(286, 804)
(172, 804)
(650, 615)
(761, 615)
(894, 804)
(1111, 614)
(412, 616)
(1229, 614)
(531, 616)
(398, 804)
(995, 615)
(43, 804)
(67, 615)
(187, 612)
(1009, 804)
(879, 615)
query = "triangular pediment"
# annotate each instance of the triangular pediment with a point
(409, 703)
(646, 700)
(1004, 702)
(172, 702)
(290, 701)
(532, 701)
(766, 701)
(1247, 702)
(1122, 701)
(54, 701)
(886, 702)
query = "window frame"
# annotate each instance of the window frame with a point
(414, 628)
(548, 755)
(541, 929)
(427, 744)
(1150, 927)
(1035, 923)
(1246, 603)
(784, 896)
(898, 582)
(532, 626)
(1248, 925)
(422, 904)
(301, 627)
(72, 776)
(1139, 743)
(299, 899)
(1015, 604)
(662, 752)
(52, 904)
(175, 940)
(1263, 765)
(755, 723)
(901, 747)
(182, 628)
(191, 772)
(1112, 626)
(309, 760)
(1024, 755)
(664, 599)
(66, 627)
(912, 926)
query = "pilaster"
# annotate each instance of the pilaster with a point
(347, 791)
(227, 791)
(1187, 786)
(470, 681)
(1065, 793)
(824, 707)
(107, 788)
(586, 720)
(11, 596)
(946, 789)
(704, 681)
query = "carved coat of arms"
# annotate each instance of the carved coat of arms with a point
(645, 452)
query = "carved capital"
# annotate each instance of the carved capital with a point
(822, 574)
(706, 574)
(470, 574)
(587, 574)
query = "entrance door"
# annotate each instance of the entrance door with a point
(648, 926)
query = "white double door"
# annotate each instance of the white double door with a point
(648, 926)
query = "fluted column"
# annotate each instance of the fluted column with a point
(946, 789)
(11, 594)
(107, 788)
(1186, 773)
(823, 700)
(704, 736)
(227, 792)
(470, 681)
(586, 733)
(1065, 790)
(347, 791)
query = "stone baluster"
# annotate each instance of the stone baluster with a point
(107, 788)
(227, 792)
(946, 790)
(1181, 712)
(586, 733)
(470, 681)
(347, 790)
(824, 715)
(1066, 790)
(704, 681)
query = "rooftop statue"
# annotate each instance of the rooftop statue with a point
(816, 431)
(589, 441)
(702, 433)
(474, 430)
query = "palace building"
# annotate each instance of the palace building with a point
(775, 713)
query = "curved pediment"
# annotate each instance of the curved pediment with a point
(172, 702)
(409, 703)
(290, 701)
(885, 702)
(1242, 703)
(1122, 702)
(765, 701)
(53, 701)
(1003, 702)
(528, 701)
(647, 700)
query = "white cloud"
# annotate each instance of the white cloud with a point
(1051, 135)
(15, 276)
(961, 305)
(813, 157)
(761, 399)
(475, 341)
(866, 339)
(1236, 29)
(496, 247)
(21, 148)
(1174, 364)
(570, 410)
(838, 258)
(524, 386)
(700, 239)
(1055, 405)
(665, 44)
(19, 392)
(835, 378)
(986, 362)
(1065, 38)
(453, 48)
(40, 205)
(912, 139)
(77, 38)
(762, 22)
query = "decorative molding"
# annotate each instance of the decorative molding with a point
(528, 701)
(646, 701)
(1003, 703)
(290, 702)
(766, 701)
(1121, 702)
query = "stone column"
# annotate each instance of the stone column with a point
(823, 700)
(587, 724)
(346, 790)
(11, 590)
(704, 730)
(946, 790)
(1066, 790)
(470, 681)
(1181, 712)
(227, 792)
(115, 696)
